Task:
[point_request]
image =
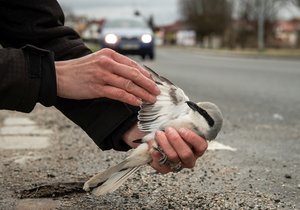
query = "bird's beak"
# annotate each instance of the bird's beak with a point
(192, 105)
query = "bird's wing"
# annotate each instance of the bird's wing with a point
(152, 116)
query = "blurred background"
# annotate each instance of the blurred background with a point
(210, 24)
(243, 55)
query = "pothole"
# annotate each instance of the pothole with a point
(52, 190)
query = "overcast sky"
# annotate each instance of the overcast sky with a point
(164, 11)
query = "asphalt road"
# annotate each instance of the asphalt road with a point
(260, 101)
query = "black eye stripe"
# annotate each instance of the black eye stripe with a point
(206, 116)
(202, 112)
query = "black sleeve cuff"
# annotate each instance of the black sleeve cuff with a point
(104, 120)
(41, 68)
(115, 139)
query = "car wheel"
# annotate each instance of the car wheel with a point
(143, 56)
(152, 56)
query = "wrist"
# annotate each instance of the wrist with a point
(131, 135)
(59, 79)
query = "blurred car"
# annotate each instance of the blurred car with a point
(128, 36)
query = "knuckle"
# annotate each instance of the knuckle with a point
(190, 164)
(129, 85)
(186, 155)
(105, 77)
(173, 157)
(136, 74)
(201, 149)
(164, 171)
(205, 146)
(120, 94)
(105, 61)
(107, 51)
(133, 63)
(188, 135)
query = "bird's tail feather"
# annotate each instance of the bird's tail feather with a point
(114, 182)
(102, 177)
(112, 178)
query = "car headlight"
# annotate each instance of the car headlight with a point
(111, 39)
(146, 38)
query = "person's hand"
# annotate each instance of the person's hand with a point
(105, 73)
(181, 147)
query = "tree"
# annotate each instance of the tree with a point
(207, 17)
(253, 12)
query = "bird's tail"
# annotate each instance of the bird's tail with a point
(112, 178)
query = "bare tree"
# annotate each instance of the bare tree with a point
(207, 17)
(249, 12)
(251, 8)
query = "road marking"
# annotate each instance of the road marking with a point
(214, 145)
(23, 133)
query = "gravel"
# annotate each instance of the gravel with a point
(57, 172)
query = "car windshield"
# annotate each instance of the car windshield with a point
(125, 23)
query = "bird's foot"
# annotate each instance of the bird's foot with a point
(164, 158)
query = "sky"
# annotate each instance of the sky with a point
(164, 11)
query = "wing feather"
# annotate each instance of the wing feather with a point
(152, 117)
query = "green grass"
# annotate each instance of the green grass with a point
(93, 46)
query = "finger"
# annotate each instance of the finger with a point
(120, 95)
(128, 72)
(127, 61)
(134, 75)
(196, 142)
(129, 86)
(183, 150)
(168, 149)
(138, 78)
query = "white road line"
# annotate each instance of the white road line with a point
(23, 133)
(214, 145)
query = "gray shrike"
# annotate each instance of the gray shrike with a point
(172, 109)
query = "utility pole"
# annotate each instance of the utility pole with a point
(261, 24)
(199, 7)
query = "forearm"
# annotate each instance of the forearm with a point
(27, 76)
(41, 24)
(104, 120)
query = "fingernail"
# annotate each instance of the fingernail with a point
(158, 133)
(152, 99)
(169, 130)
(139, 102)
(183, 130)
(157, 90)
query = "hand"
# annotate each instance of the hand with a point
(183, 146)
(105, 73)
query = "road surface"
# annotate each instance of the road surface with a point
(254, 165)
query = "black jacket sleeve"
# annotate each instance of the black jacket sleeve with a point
(27, 76)
(41, 24)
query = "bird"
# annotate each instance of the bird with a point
(173, 109)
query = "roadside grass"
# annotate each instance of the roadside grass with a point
(285, 53)
(93, 46)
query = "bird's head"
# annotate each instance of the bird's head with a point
(207, 118)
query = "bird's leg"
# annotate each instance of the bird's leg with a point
(164, 158)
